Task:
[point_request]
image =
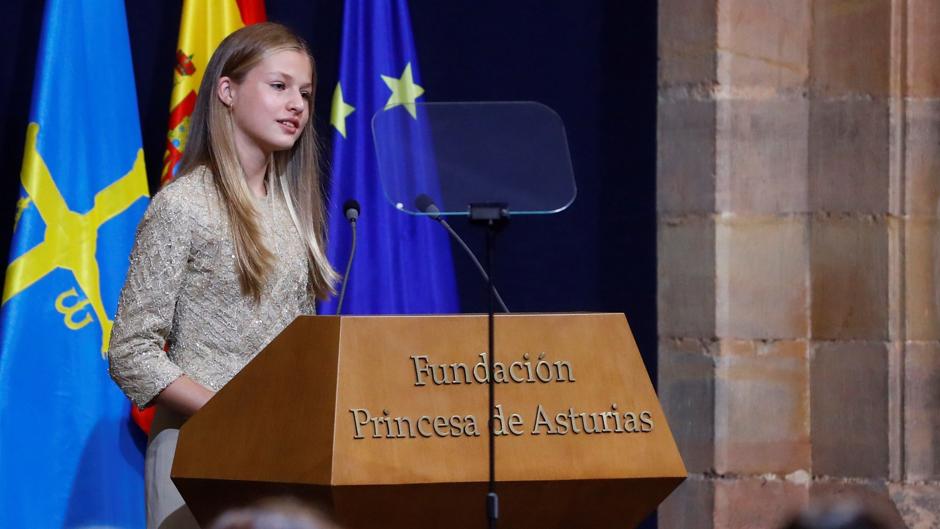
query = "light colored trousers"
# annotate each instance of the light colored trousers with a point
(165, 506)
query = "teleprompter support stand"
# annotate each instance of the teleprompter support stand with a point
(493, 216)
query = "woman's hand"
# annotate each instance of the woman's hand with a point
(185, 396)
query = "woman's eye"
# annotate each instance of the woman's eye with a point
(278, 86)
(305, 95)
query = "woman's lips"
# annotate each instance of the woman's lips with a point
(289, 125)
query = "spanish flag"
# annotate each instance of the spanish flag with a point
(204, 24)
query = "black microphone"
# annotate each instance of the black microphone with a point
(351, 211)
(425, 204)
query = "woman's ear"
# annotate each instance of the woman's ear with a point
(225, 90)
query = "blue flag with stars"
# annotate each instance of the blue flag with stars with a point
(69, 457)
(403, 263)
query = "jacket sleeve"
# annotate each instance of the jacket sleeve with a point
(158, 262)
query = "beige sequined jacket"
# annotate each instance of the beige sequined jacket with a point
(182, 286)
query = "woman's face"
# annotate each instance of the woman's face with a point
(271, 106)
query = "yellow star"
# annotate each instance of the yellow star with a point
(340, 110)
(404, 91)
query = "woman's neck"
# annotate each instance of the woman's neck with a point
(254, 163)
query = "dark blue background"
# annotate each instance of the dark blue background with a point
(594, 62)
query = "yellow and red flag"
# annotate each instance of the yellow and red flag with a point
(203, 26)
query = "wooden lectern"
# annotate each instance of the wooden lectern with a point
(382, 421)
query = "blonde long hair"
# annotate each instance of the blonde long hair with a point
(293, 174)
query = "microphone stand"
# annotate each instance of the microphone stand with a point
(494, 217)
(425, 204)
(351, 208)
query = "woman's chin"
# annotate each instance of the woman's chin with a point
(280, 145)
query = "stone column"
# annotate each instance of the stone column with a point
(798, 186)
(915, 488)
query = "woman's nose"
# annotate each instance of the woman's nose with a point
(296, 103)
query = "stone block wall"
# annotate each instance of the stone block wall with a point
(799, 257)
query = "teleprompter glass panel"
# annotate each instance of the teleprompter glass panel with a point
(441, 158)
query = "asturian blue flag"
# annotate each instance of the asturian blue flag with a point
(69, 457)
(403, 263)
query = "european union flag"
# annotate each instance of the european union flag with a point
(403, 263)
(69, 457)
